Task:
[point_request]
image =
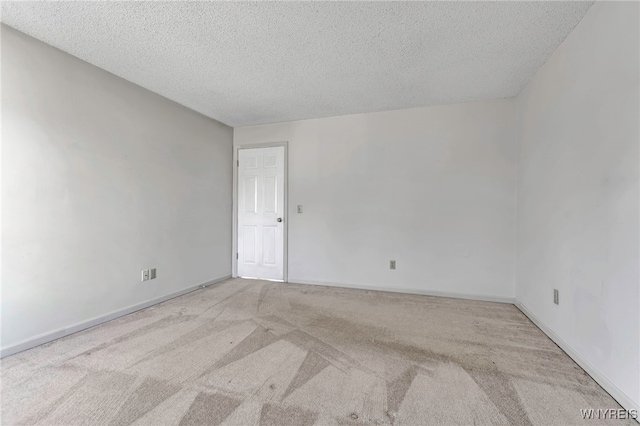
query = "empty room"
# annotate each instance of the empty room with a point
(320, 213)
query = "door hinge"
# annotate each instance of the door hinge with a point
(237, 163)
(236, 255)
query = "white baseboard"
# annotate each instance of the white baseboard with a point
(623, 399)
(83, 325)
(485, 298)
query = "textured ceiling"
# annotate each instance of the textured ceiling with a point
(254, 63)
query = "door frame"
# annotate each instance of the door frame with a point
(234, 240)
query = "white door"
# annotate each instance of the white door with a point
(261, 213)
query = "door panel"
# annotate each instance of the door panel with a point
(251, 194)
(269, 248)
(260, 205)
(270, 194)
(249, 239)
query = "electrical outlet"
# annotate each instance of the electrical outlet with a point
(152, 273)
(392, 264)
(555, 297)
(299, 208)
(145, 275)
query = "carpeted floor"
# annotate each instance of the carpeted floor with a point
(246, 352)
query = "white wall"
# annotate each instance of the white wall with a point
(131, 180)
(432, 188)
(578, 194)
(101, 179)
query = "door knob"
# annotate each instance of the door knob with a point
(279, 219)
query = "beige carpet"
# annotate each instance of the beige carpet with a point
(247, 352)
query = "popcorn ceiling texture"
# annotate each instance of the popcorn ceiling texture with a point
(255, 63)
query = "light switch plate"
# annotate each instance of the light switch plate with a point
(392, 264)
(299, 208)
(145, 275)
